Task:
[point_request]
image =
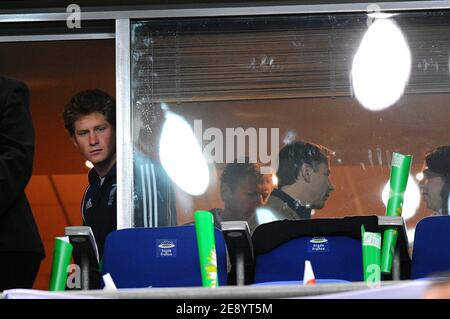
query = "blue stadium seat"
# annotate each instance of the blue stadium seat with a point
(431, 250)
(158, 257)
(332, 257)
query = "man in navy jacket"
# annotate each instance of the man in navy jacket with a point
(90, 119)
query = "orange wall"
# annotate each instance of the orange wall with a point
(51, 217)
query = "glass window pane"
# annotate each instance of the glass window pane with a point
(274, 79)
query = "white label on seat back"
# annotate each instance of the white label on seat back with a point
(166, 248)
(318, 245)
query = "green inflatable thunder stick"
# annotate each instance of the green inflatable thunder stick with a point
(401, 165)
(204, 228)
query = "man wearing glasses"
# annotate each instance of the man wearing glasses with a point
(435, 185)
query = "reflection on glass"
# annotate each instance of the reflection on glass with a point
(264, 215)
(448, 203)
(411, 200)
(182, 157)
(410, 234)
(275, 180)
(291, 72)
(380, 15)
(381, 66)
(419, 176)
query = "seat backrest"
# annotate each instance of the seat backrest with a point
(332, 245)
(332, 257)
(431, 250)
(158, 257)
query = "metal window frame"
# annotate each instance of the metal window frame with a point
(123, 41)
(57, 37)
(222, 10)
(123, 126)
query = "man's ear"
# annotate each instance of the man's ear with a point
(305, 172)
(226, 193)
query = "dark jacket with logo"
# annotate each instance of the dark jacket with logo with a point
(99, 206)
(18, 230)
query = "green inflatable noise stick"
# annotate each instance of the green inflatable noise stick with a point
(371, 252)
(204, 228)
(61, 260)
(401, 165)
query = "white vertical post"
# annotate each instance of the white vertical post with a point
(123, 126)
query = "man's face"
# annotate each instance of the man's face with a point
(320, 186)
(431, 186)
(95, 138)
(250, 193)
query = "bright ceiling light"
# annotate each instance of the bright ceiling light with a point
(181, 155)
(411, 198)
(381, 66)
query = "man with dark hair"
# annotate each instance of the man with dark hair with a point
(21, 249)
(90, 119)
(243, 189)
(303, 184)
(435, 185)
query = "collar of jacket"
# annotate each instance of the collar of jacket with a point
(94, 178)
(301, 210)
